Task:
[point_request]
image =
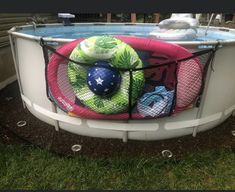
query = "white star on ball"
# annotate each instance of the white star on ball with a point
(99, 81)
(89, 82)
(106, 90)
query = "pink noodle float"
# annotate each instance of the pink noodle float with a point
(189, 75)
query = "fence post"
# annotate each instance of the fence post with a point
(233, 17)
(109, 17)
(133, 17)
(156, 17)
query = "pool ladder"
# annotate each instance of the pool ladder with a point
(209, 23)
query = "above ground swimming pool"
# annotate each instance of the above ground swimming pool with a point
(136, 87)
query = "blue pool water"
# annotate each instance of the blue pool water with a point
(78, 31)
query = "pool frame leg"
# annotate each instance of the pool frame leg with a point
(56, 122)
(204, 94)
(16, 63)
(125, 136)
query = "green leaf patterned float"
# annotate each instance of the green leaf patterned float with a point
(120, 55)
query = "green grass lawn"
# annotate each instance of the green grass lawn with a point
(29, 167)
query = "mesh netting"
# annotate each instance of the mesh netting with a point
(161, 87)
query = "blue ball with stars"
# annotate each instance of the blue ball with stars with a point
(103, 79)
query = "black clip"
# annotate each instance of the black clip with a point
(42, 42)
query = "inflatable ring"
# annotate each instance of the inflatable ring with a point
(118, 54)
(173, 24)
(174, 34)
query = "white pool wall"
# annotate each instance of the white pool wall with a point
(218, 101)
